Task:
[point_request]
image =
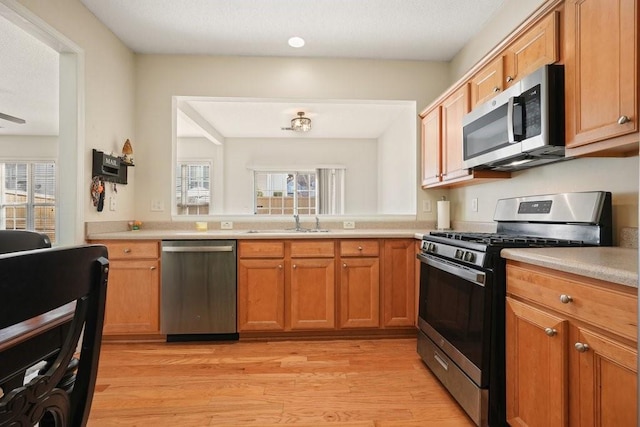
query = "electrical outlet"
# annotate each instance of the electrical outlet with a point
(112, 203)
(426, 206)
(157, 206)
(474, 204)
(226, 225)
(349, 224)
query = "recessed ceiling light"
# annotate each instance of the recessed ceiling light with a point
(296, 42)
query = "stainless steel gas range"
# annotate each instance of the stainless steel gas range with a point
(462, 290)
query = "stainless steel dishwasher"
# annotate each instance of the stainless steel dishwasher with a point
(199, 290)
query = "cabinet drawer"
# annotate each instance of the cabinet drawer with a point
(316, 248)
(588, 300)
(131, 249)
(359, 248)
(261, 249)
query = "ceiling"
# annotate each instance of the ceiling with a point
(376, 29)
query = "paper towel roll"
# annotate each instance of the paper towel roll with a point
(444, 222)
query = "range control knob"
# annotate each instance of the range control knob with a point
(459, 254)
(469, 256)
(432, 248)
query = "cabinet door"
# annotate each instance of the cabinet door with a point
(453, 110)
(260, 295)
(600, 70)
(133, 296)
(604, 379)
(536, 366)
(360, 292)
(537, 47)
(431, 146)
(312, 293)
(488, 82)
(399, 282)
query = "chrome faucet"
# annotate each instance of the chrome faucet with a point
(296, 217)
(317, 223)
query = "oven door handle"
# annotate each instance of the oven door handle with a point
(477, 277)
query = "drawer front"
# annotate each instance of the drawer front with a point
(261, 249)
(597, 303)
(359, 248)
(132, 249)
(315, 248)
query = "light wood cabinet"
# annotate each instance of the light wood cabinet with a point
(538, 46)
(488, 82)
(601, 77)
(133, 291)
(453, 110)
(571, 348)
(431, 148)
(399, 283)
(359, 284)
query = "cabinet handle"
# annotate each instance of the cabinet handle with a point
(565, 299)
(279, 265)
(623, 119)
(126, 251)
(550, 331)
(581, 347)
(359, 248)
(294, 266)
(344, 265)
(496, 89)
(509, 79)
(152, 268)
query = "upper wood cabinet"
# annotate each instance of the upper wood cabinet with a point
(600, 55)
(431, 142)
(488, 82)
(539, 46)
(454, 107)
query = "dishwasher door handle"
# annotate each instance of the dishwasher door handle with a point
(197, 249)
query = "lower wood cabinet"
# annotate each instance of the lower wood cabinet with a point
(571, 350)
(322, 285)
(133, 290)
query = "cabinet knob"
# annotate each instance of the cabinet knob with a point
(565, 299)
(359, 248)
(344, 265)
(581, 347)
(126, 251)
(152, 268)
(623, 119)
(496, 89)
(550, 332)
(294, 266)
(509, 79)
(279, 265)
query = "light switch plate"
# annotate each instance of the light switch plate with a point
(474, 205)
(112, 203)
(226, 225)
(349, 224)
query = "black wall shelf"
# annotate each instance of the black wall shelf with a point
(109, 168)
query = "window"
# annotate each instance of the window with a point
(285, 193)
(28, 197)
(193, 188)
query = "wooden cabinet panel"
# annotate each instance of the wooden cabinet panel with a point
(605, 378)
(601, 74)
(261, 249)
(487, 82)
(431, 148)
(261, 295)
(131, 249)
(133, 296)
(359, 248)
(312, 293)
(536, 367)
(537, 47)
(399, 282)
(453, 110)
(315, 248)
(360, 292)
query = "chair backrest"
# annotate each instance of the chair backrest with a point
(33, 283)
(22, 240)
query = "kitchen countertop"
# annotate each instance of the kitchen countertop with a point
(611, 264)
(260, 234)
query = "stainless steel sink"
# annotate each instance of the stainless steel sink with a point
(289, 231)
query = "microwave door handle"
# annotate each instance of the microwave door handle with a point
(510, 134)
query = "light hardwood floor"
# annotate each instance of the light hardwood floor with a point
(353, 383)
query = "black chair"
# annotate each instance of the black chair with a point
(33, 283)
(22, 240)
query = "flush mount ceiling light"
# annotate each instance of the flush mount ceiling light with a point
(301, 123)
(296, 42)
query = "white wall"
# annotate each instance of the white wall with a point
(29, 147)
(159, 77)
(108, 94)
(359, 156)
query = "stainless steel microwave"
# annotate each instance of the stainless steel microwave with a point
(519, 128)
